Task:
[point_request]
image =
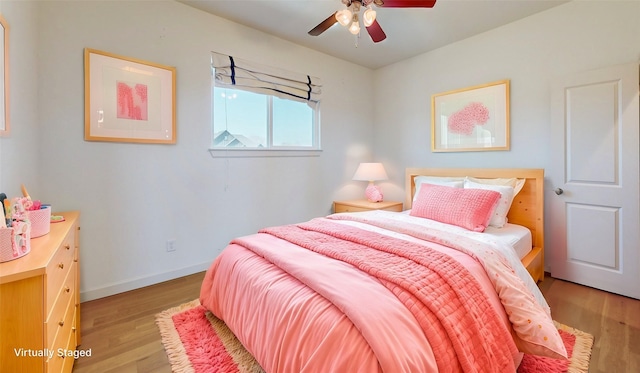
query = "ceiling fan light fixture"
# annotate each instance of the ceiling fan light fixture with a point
(368, 17)
(354, 28)
(344, 17)
(348, 17)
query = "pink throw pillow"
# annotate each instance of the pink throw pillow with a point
(468, 208)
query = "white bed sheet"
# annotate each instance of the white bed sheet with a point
(517, 236)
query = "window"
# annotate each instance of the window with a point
(248, 120)
(262, 108)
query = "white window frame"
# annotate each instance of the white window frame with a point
(270, 150)
(248, 71)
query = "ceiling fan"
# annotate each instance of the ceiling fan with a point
(349, 17)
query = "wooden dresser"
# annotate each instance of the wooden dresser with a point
(40, 302)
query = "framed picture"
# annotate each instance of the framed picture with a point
(128, 100)
(471, 119)
(4, 77)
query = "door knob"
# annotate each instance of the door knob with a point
(559, 191)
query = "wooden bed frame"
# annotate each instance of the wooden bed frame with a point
(527, 208)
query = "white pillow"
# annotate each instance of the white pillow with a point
(455, 182)
(517, 184)
(499, 218)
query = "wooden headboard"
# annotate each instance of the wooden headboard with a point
(527, 208)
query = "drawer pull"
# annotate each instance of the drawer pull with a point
(67, 246)
(61, 323)
(61, 265)
(67, 289)
(73, 329)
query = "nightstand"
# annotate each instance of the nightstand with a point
(364, 205)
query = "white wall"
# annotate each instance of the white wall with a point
(135, 197)
(577, 36)
(19, 151)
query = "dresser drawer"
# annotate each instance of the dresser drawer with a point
(345, 208)
(63, 342)
(39, 301)
(58, 270)
(66, 296)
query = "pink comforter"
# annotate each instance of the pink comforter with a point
(325, 297)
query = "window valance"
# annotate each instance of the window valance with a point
(255, 77)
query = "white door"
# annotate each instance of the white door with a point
(594, 218)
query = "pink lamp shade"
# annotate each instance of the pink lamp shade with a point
(371, 172)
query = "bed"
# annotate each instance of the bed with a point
(527, 208)
(394, 292)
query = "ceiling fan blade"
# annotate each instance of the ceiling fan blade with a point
(324, 25)
(376, 33)
(407, 3)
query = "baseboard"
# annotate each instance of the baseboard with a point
(121, 287)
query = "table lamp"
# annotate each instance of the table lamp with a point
(371, 172)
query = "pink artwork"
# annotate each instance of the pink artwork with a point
(132, 101)
(464, 120)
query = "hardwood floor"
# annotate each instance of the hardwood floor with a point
(612, 319)
(120, 330)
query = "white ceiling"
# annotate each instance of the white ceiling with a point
(410, 31)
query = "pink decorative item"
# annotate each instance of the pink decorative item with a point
(373, 193)
(371, 172)
(197, 335)
(40, 221)
(464, 120)
(15, 242)
(36, 205)
(471, 209)
(132, 101)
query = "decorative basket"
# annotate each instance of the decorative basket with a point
(15, 242)
(40, 221)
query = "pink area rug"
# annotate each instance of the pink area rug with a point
(198, 342)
